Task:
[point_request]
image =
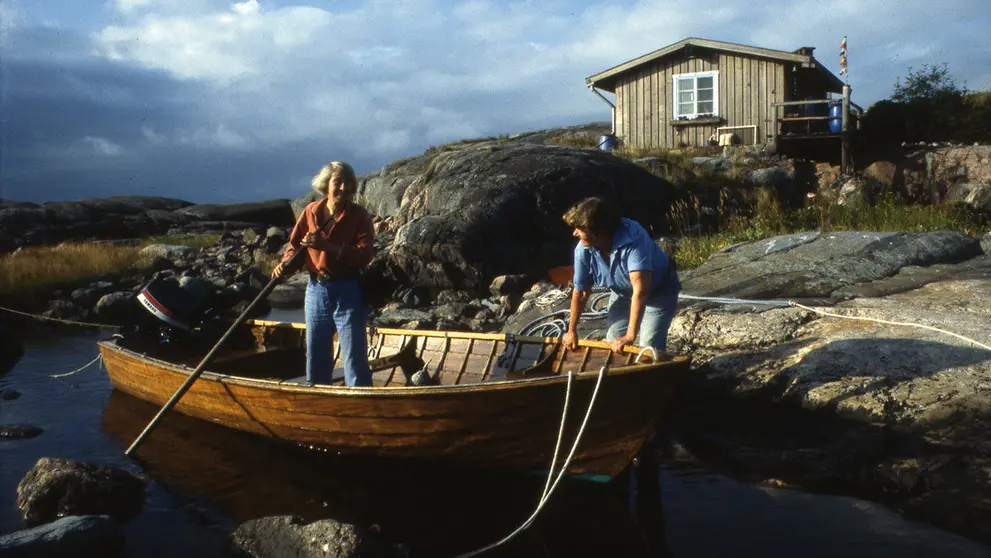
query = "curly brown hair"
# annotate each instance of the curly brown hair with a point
(596, 215)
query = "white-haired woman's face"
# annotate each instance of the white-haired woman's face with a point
(337, 190)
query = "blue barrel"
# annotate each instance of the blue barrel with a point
(836, 118)
(607, 142)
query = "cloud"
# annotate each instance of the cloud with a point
(102, 146)
(128, 6)
(224, 46)
(263, 92)
(219, 136)
(152, 136)
(10, 17)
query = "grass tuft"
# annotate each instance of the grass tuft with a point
(43, 268)
(585, 140)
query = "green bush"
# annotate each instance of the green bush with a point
(927, 106)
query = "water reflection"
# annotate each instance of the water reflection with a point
(434, 510)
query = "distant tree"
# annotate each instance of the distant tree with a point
(925, 106)
(976, 123)
(930, 83)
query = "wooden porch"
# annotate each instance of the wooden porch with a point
(811, 120)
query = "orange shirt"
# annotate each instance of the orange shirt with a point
(351, 236)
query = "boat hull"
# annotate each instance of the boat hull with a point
(510, 424)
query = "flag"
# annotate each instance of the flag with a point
(843, 56)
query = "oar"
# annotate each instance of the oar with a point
(199, 368)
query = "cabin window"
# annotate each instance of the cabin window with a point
(695, 95)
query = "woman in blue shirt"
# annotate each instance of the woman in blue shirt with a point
(619, 254)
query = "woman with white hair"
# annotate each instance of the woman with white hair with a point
(338, 236)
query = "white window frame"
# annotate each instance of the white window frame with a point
(695, 114)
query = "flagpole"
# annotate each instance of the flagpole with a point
(845, 138)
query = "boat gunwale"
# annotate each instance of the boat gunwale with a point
(403, 391)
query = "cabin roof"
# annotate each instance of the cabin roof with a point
(608, 79)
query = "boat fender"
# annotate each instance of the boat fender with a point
(422, 376)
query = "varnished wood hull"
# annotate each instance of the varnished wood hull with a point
(506, 423)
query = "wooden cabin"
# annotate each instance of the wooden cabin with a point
(701, 92)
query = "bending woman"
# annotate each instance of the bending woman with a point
(338, 236)
(618, 253)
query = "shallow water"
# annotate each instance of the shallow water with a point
(206, 479)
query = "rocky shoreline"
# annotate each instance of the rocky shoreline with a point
(784, 396)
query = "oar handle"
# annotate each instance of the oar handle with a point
(199, 368)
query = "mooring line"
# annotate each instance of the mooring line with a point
(550, 488)
(87, 365)
(557, 327)
(59, 320)
(889, 322)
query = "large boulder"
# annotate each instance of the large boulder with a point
(271, 537)
(903, 383)
(57, 487)
(464, 216)
(815, 264)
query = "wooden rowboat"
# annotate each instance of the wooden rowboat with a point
(496, 402)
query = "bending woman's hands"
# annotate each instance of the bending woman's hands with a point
(570, 340)
(620, 342)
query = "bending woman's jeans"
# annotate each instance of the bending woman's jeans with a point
(336, 306)
(657, 315)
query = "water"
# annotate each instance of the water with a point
(207, 479)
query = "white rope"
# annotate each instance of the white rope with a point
(725, 300)
(59, 320)
(560, 435)
(550, 474)
(556, 327)
(551, 297)
(889, 322)
(90, 363)
(644, 350)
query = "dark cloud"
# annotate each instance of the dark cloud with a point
(77, 127)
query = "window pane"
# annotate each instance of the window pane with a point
(705, 95)
(686, 97)
(705, 82)
(685, 109)
(686, 84)
(705, 107)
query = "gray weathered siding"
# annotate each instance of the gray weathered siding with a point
(747, 88)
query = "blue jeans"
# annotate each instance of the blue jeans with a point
(336, 306)
(657, 315)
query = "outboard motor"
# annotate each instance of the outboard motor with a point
(181, 311)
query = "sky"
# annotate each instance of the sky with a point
(214, 101)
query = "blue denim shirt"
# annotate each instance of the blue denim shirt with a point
(632, 250)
